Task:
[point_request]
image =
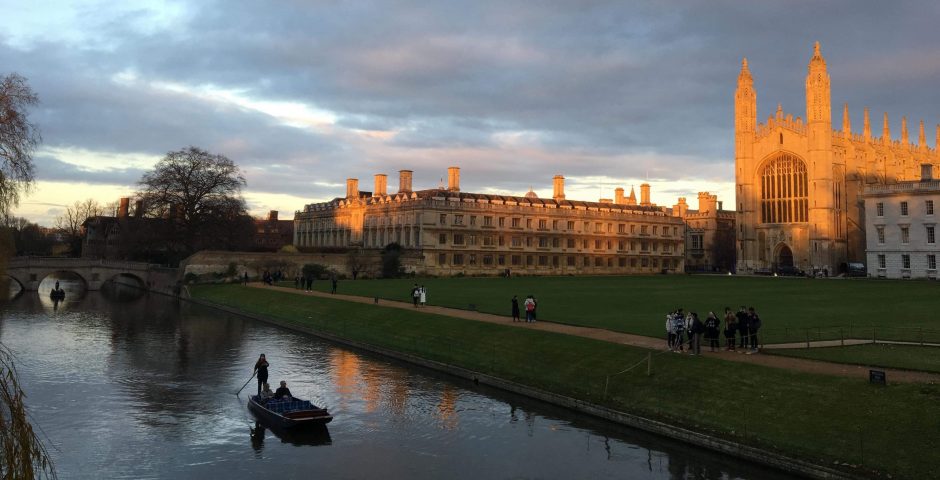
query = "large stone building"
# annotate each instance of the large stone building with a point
(478, 234)
(709, 234)
(799, 183)
(901, 222)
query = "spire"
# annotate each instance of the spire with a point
(921, 137)
(633, 193)
(886, 131)
(816, 50)
(904, 130)
(779, 115)
(745, 74)
(867, 128)
(818, 102)
(846, 121)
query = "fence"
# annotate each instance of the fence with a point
(850, 335)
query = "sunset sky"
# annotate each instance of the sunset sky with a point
(303, 94)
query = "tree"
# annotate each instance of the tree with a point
(23, 455)
(200, 193)
(18, 139)
(70, 222)
(28, 238)
(391, 261)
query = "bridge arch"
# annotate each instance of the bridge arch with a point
(65, 274)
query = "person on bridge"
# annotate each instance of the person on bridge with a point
(283, 392)
(261, 369)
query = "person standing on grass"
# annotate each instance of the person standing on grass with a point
(424, 296)
(529, 309)
(246, 277)
(755, 324)
(742, 327)
(670, 331)
(695, 333)
(678, 328)
(535, 308)
(711, 331)
(333, 279)
(688, 329)
(731, 326)
(415, 295)
(515, 308)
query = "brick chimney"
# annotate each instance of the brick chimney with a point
(618, 196)
(404, 181)
(381, 185)
(122, 210)
(352, 188)
(139, 208)
(558, 188)
(272, 216)
(453, 179)
(645, 195)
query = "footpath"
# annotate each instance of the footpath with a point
(775, 361)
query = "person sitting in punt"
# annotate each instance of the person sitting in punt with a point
(266, 393)
(283, 392)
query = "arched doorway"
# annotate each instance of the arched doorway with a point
(784, 257)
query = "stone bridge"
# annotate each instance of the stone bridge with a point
(30, 271)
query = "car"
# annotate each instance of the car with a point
(855, 269)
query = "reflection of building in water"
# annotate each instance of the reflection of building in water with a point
(345, 367)
(447, 231)
(372, 394)
(398, 394)
(447, 408)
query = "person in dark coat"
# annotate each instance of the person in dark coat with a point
(334, 284)
(261, 370)
(711, 331)
(696, 328)
(731, 326)
(283, 392)
(754, 324)
(742, 327)
(515, 308)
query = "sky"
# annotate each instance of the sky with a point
(304, 94)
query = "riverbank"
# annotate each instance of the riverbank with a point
(854, 427)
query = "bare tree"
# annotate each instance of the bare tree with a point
(70, 222)
(18, 139)
(199, 191)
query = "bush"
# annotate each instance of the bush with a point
(190, 278)
(391, 261)
(313, 270)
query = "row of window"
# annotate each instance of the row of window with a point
(905, 208)
(548, 242)
(906, 261)
(543, 224)
(471, 259)
(905, 231)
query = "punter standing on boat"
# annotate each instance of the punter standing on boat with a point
(261, 369)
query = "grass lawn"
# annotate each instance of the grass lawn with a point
(910, 357)
(792, 309)
(821, 418)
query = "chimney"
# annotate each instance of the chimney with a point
(272, 216)
(618, 196)
(381, 185)
(352, 188)
(453, 179)
(139, 208)
(707, 202)
(926, 172)
(558, 190)
(645, 195)
(404, 181)
(122, 210)
(680, 208)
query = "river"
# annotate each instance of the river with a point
(128, 386)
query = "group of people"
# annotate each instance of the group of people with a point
(304, 282)
(269, 278)
(419, 295)
(687, 329)
(530, 304)
(264, 390)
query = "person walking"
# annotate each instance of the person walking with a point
(261, 370)
(333, 286)
(535, 308)
(731, 326)
(742, 327)
(308, 282)
(695, 333)
(424, 296)
(754, 325)
(711, 331)
(515, 308)
(678, 328)
(297, 280)
(415, 295)
(670, 331)
(246, 277)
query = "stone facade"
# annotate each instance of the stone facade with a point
(799, 183)
(901, 222)
(271, 234)
(455, 232)
(709, 234)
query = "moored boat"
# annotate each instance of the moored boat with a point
(288, 414)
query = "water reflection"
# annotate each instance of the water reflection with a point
(143, 388)
(61, 289)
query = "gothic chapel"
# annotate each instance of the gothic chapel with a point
(799, 183)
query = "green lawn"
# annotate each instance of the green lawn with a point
(792, 309)
(821, 418)
(909, 357)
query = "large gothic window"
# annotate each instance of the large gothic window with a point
(784, 190)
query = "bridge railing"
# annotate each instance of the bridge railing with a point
(69, 262)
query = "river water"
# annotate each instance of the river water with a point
(126, 387)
